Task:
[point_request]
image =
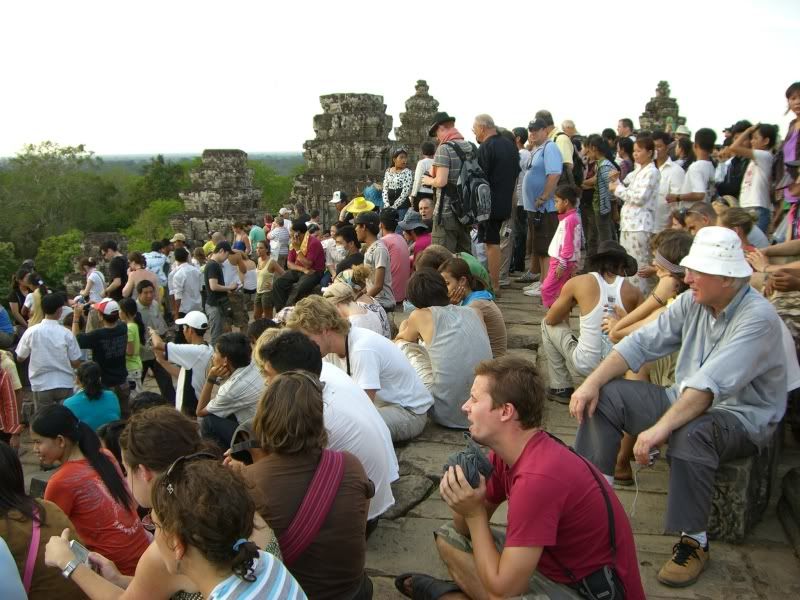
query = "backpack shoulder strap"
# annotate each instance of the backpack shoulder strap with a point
(458, 150)
(33, 551)
(315, 506)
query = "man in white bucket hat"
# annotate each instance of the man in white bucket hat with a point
(728, 398)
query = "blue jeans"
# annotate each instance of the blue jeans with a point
(764, 215)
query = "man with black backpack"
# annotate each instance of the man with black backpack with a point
(499, 159)
(449, 228)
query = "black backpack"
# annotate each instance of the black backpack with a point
(575, 176)
(470, 197)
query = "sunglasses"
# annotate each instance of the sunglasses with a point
(183, 460)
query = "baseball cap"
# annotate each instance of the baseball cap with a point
(338, 197)
(106, 306)
(226, 246)
(367, 218)
(194, 319)
(178, 237)
(284, 211)
(537, 125)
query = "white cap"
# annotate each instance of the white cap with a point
(106, 306)
(194, 319)
(337, 197)
(284, 211)
(717, 251)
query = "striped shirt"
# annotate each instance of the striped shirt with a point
(273, 582)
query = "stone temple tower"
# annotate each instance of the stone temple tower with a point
(415, 122)
(661, 112)
(351, 149)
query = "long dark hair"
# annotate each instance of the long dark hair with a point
(18, 278)
(129, 306)
(37, 283)
(12, 488)
(687, 146)
(89, 374)
(598, 143)
(55, 420)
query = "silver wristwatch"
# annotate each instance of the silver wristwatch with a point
(71, 566)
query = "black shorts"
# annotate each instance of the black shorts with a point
(544, 228)
(489, 231)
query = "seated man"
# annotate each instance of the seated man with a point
(374, 363)
(455, 342)
(240, 388)
(603, 287)
(729, 396)
(305, 267)
(560, 509)
(351, 420)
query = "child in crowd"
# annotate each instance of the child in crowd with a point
(129, 313)
(565, 248)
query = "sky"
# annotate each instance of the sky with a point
(174, 76)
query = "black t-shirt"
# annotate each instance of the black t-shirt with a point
(213, 270)
(499, 159)
(118, 267)
(108, 346)
(350, 262)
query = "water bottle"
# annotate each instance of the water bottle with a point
(606, 345)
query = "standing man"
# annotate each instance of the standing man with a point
(54, 354)
(625, 129)
(117, 270)
(186, 288)
(447, 230)
(565, 146)
(255, 233)
(671, 180)
(521, 242)
(499, 160)
(153, 321)
(217, 302)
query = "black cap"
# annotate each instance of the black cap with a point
(438, 119)
(537, 125)
(367, 218)
(226, 246)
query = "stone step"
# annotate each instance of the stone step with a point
(523, 336)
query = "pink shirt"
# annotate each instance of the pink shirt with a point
(423, 241)
(400, 265)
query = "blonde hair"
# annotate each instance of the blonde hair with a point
(314, 314)
(265, 338)
(737, 217)
(349, 285)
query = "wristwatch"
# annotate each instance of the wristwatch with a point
(71, 566)
(214, 380)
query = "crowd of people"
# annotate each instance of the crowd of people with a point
(286, 374)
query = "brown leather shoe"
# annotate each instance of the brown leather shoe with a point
(687, 562)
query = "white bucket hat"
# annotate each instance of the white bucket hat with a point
(717, 251)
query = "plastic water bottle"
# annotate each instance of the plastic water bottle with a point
(606, 345)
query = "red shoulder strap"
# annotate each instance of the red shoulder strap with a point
(315, 507)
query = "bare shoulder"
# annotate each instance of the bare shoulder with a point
(631, 295)
(152, 581)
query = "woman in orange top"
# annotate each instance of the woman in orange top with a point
(89, 487)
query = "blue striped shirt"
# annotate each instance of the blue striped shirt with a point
(273, 582)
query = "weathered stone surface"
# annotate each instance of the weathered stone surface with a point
(383, 589)
(661, 112)
(524, 336)
(221, 193)
(426, 458)
(405, 545)
(416, 121)
(408, 491)
(440, 435)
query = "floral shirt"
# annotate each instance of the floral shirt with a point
(640, 195)
(402, 180)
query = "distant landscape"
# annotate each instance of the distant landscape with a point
(283, 162)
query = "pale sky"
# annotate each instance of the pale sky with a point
(177, 76)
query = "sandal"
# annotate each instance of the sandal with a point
(424, 587)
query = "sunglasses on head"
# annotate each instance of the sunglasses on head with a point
(180, 461)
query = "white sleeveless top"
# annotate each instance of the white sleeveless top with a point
(588, 352)
(250, 280)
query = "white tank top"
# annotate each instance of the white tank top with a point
(250, 280)
(588, 352)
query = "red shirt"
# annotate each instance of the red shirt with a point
(314, 252)
(555, 502)
(423, 241)
(103, 525)
(399, 263)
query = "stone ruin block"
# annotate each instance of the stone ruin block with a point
(416, 121)
(661, 112)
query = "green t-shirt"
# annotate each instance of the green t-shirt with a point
(477, 270)
(134, 362)
(256, 235)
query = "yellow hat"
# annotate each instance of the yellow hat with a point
(359, 204)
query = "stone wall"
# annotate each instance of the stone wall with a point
(661, 112)
(416, 121)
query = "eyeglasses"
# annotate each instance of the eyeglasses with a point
(181, 460)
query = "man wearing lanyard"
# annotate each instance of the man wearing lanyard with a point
(729, 395)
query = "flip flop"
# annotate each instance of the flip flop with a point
(424, 587)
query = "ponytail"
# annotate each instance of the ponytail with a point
(246, 554)
(55, 420)
(129, 306)
(90, 376)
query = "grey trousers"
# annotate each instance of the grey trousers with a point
(48, 397)
(558, 344)
(402, 423)
(695, 450)
(216, 322)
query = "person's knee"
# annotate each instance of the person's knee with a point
(694, 440)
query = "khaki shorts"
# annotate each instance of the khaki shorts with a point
(539, 587)
(239, 316)
(264, 299)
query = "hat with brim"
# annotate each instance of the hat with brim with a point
(106, 306)
(611, 249)
(438, 119)
(683, 130)
(717, 251)
(359, 205)
(412, 221)
(194, 319)
(338, 197)
(178, 237)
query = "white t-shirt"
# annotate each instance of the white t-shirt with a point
(699, 179)
(189, 357)
(238, 395)
(355, 425)
(755, 185)
(377, 364)
(51, 347)
(186, 286)
(96, 287)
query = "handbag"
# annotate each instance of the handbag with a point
(33, 551)
(314, 508)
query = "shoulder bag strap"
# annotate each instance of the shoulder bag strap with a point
(33, 551)
(315, 507)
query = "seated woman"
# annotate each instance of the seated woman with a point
(315, 499)
(93, 404)
(208, 543)
(742, 222)
(448, 374)
(88, 487)
(152, 440)
(21, 517)
(465, 290)
(348, 295)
